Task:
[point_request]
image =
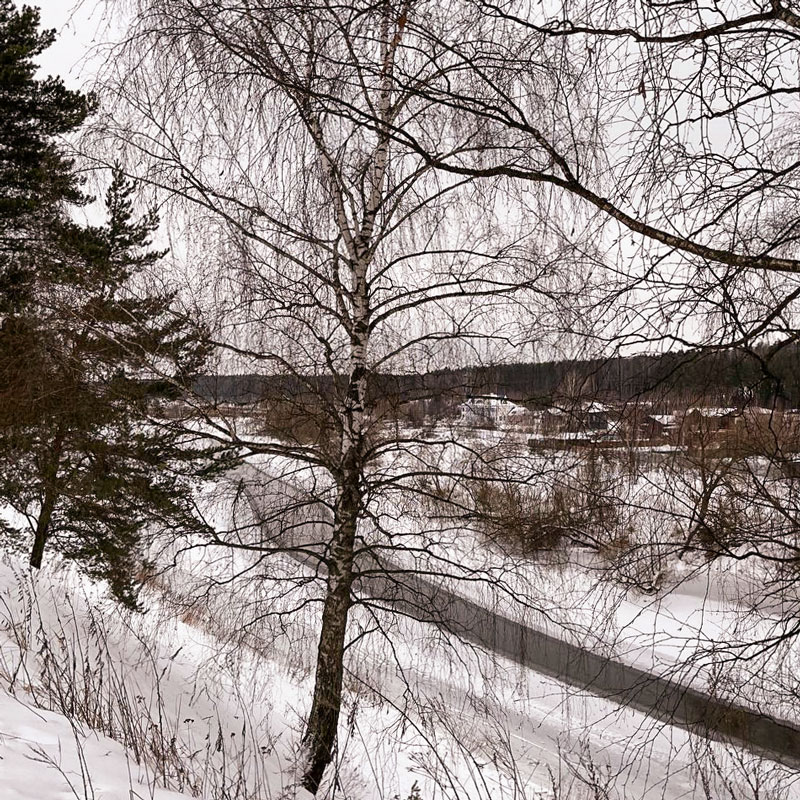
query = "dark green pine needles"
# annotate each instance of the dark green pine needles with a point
(87, 346)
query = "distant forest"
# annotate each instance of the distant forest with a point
(726, 377)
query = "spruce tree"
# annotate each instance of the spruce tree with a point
(86, 346)
(38, 181)
(86, 466)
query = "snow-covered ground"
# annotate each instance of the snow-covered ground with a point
(78, 673)
(205, 694)
(43, 756)
(205, 713)
(719, 626)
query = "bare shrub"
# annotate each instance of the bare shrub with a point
(579, 506)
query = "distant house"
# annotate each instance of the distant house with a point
(710, 419)
(489, 410)
(705, 425)
(586, 416)
(555, 420)
(637, 425)
(519, 415)
(597, 416)
(657, 427)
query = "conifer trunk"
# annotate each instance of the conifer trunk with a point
(48, 503)
(43, 527)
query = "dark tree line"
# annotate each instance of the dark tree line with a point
(721, 376)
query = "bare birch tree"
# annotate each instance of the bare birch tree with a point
(387, 187)
(345, 261)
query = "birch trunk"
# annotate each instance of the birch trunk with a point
(323, 721)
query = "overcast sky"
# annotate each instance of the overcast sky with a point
(80, 26)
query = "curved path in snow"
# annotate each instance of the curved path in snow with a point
(654, 695)
(657, 696)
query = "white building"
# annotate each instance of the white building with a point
(489, 409)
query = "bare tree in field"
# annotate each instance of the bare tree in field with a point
(390, 189)
(346, 262)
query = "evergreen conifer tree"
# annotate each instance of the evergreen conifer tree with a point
(37, 180)
(86, 346)
(86, 466)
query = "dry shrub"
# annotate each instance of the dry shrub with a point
(581, 508)
(104, 672)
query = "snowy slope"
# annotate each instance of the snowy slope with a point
(72, 661)
(209, 692)
(42, 756)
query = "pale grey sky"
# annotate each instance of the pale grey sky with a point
(80, 26)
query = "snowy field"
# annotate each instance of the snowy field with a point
(210, 704)
(715, 626)
(205, 694)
